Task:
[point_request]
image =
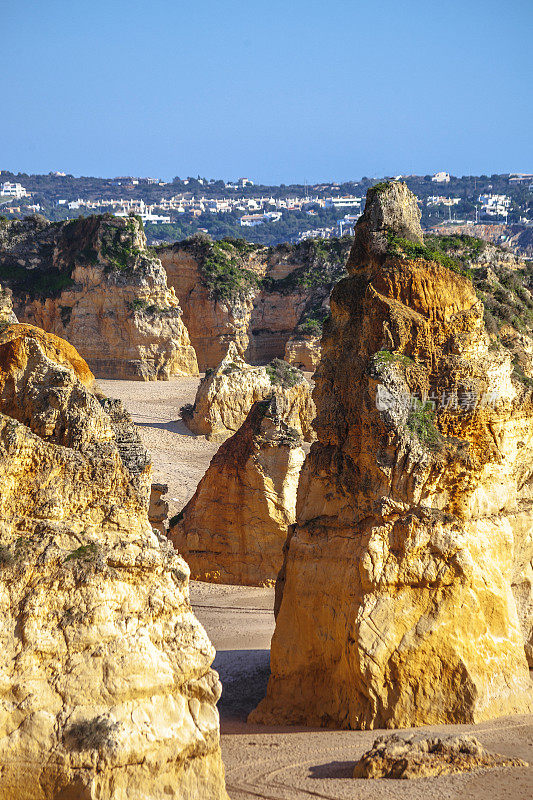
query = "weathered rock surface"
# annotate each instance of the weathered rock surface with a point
(253, 296)
(93, 282)
(6, 306)
(158, 508)
(234, 527)
(225, 396)
(419, 756)
(107, 690)
(303, 352)
(405, 595)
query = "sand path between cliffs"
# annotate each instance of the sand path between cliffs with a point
(288, 763)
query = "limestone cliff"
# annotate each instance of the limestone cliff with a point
(405, 597)
(94, 282)
(234, 527)
(253, 296)
(107, 690)
(303, 351)
(225, 396)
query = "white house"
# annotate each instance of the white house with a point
(13, 190)
(441, 177)
(348, 201)
(495, 205)
(251, 220)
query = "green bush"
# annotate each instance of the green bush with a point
(283, 374)
(421, 423)
(383, 357)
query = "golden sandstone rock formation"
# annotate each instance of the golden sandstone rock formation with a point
(107, 690)
(94, 282)
(405, 597)
(212, 321)
(234, 527)
(303, 352)
(225, 396)
(253, 296)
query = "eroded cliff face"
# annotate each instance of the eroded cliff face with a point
(225, 396)
(405, 595)
(94, 282)
(212, 321)
(253, 296)
(107, 690)
(234, 527)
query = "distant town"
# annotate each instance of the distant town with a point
(494, 207)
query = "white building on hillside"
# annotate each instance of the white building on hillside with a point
(348, 201)
(441, 177)
(495, 205)
(13, 190)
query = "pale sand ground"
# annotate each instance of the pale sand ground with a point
(289, 763)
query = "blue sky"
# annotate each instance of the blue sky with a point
(275, 91)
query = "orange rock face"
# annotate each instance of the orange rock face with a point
(234, 527)
(14, 340)
(271, 291)
(405, 597)
(303, 352)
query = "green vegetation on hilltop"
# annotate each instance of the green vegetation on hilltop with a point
(118, 244)
(322, 264)
(222, 267)
(34, 283)
(434, 249)
(507, 295)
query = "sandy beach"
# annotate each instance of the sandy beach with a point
(288, 763)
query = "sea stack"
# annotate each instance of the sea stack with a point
(234, 527)
(405, 594)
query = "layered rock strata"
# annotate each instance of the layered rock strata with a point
(234, 527)
(405, 595)
(107, 690)
(94, 282)
(225, 396)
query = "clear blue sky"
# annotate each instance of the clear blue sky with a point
(278, 91)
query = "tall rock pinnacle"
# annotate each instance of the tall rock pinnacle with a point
(391, 209)
(405, 597)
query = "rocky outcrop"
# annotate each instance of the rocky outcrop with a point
(94, 282)
(225, 396)
(405, 595)
(253, 296)
(105, 672)
(303, 352)
(419, 756)
(215, 314)
(7, 314)
(234, 527)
